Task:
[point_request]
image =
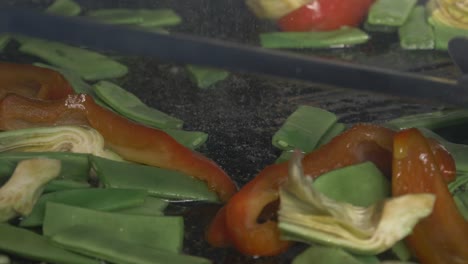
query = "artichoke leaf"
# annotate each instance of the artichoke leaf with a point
(19, 194)
(308, 216)
(77, 139)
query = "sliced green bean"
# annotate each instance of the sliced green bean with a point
(444, 33)
(103, 245)
(190, 139)
(4, 40)
(132, 107)
(416, 33)
(204, 77)
(379, 28)
(361, 184)
(75, 166)
(157, 182)
(27, 244)
(151, 206)
(284, 156)
(332, 132)
(88, 64)
(64, 184)
(64, 8)
(304, 128)
(332, 255)
(390, 12)
(142, 17)
(159, 232)
(431, 120)
(92, 198)
(319, 39)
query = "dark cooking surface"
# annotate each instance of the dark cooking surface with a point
(241, 113)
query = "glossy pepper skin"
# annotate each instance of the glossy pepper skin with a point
(130, 140)
(236, 224)
(442, 237)
(360, 143)
(324, 15)
(31, 81)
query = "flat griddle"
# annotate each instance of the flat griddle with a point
(242, 113)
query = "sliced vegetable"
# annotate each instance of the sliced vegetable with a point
(28, 244)
(4, 40)
(205, 77)
(64, 8)
(390, 12)
(189, 139)
(75, 80)
(309, 216)
(443, 33)
(151, 206)
(74, 166)
(332, 132)
(440, 238)
(298, 40)
(240, 228)
(157, 182)
(102, 245)
(31, 81)
(19, 194)
(461, 200)
(142, 17)
(92, 198)
(88, 64)
(323, 15)
(379, 28)
(304, 128)
(132, 107)
(451, 13)
(159, 232)
(274, 9)
(331, 255)
(416, 33)
(76, 139)
(360, 185)
(430, 120)
(134, 142)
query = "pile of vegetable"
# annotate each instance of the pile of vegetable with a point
(338, 23)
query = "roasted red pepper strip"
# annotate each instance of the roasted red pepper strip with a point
(130, 140)
(442, 237)
(358, 144)
(237, 222)
(31, 81)
(322, 15)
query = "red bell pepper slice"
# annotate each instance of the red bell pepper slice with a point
(442, 237)
(323, 15)
(132, 141)
(236, 224)
(31, 81)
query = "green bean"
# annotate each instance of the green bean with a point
(103, 245)
(304, 128)
(151, 206)
(330, 255)
(64, 8)
(390, 12)
(190, 139)
(159, 232)
(4, 40)
(319, 39)
(151, 18)
(74, 172)
(379, 28)
(93, 198)
(332, 132)
(416, 33)
(431, 120)
(444, 33)
(27, 244)
(158, 182)
(132, 107)
(88, 64)
(361, 185)
(205, 77)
